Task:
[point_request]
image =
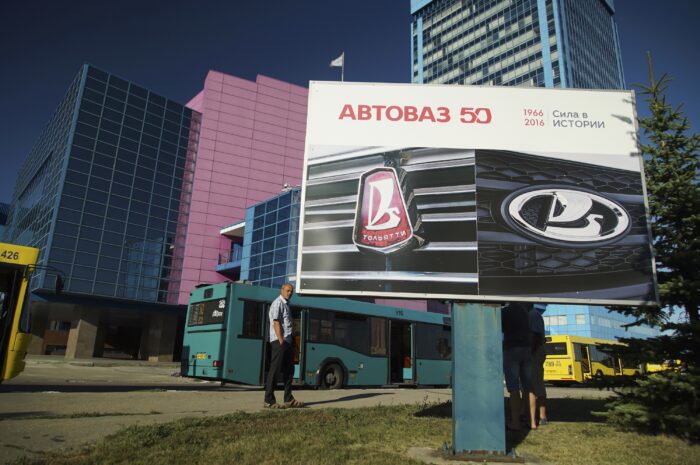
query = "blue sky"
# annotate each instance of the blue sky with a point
(169, 47)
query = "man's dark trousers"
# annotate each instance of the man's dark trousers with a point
(281, 361)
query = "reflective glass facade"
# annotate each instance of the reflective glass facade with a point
(105, 193)
(38, 182)
(592, 321)
(270, 240)
(544, 43)
(4, 210)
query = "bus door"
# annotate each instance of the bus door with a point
(581, 362)
(246, 352)
(617, 364)
(586, 362)
(298, 341)
(401, 352)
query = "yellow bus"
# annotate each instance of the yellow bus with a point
(16, 265)
(666, 365)
(577, 359)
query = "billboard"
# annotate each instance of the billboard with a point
(473, 193)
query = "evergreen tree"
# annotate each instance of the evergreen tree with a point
(668, 402)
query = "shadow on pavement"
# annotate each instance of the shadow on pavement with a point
(348, 398)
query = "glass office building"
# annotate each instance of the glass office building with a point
(543, 43)
(592, 321)
(4, 210)
(105, 189)
(269, 256)
(105, 194)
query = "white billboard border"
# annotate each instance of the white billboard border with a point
(469, 297)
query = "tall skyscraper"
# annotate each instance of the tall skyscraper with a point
(543, 43)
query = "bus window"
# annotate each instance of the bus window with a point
(252, 319)
(351, 331)
(207, 313)
(320, 326)
(433, 342)
(344, 329)
(555, 348)
(601, 357)
(377, 336)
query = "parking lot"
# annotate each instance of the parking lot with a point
(57, 403)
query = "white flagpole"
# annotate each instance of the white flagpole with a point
(340, 61)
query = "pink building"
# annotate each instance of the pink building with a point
(251, 144)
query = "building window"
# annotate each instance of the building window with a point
(555, 320)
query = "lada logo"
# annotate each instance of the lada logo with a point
(382, 222)
(565, 215)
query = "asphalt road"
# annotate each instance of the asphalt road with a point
(54, 403)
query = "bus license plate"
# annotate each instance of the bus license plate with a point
(201, 355)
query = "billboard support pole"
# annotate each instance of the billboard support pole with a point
(478, 417)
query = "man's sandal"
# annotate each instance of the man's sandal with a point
(274, 405)
(295, 404)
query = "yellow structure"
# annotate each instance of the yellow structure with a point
(16, 265)
(576, 359)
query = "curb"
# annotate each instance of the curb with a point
(96, 362)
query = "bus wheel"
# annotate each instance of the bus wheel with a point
(332, 377)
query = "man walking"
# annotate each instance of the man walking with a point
(282, 350)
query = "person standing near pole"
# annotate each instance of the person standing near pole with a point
(517, 359)
(282, 350)
(539, 355)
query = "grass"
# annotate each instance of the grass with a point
(377, 435)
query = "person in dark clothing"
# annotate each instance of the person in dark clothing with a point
(282, 358)
(539, 356)
(517, 361)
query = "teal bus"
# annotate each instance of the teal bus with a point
(337, 342)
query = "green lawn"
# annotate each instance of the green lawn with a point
(378, 435)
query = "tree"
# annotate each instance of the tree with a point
(668, 402)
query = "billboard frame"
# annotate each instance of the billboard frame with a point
(472, 297)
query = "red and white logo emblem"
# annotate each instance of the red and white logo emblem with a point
(381, 220)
